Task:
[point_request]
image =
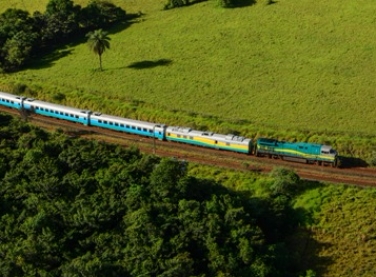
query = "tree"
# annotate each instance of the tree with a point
(285, 181)
(17, 38)
(61, 20)
(98, 42)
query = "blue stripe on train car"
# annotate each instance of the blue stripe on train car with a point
(75, 118)
(10, 103)
(131, 130)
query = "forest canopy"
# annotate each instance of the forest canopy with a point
(71, 207)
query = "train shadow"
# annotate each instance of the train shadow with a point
(348, 162)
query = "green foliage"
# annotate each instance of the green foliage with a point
(285, 182)
(17, 38)
(177, 3)
(100, 13)
(60, 21)
(225, 3)
(71, 207)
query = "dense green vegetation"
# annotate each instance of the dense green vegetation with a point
(70, 207)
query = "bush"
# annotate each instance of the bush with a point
(285, 181)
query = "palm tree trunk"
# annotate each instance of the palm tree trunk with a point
(100, 62)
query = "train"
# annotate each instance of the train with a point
(262, 147)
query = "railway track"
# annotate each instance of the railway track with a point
(360, 176)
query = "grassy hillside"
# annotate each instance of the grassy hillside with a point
(296, 69)
(343, 232)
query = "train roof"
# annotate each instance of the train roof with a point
(123, 120)
(57, 107)
(270, 142)
(10, 96)
(191, 132)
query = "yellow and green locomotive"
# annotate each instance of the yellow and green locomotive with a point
(299, 151)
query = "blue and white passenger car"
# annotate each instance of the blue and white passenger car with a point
(11, 101)
(57, 111)
(142, 128)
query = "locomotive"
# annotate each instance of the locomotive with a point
(292, 151)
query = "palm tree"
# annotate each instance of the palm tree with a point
(98, 42)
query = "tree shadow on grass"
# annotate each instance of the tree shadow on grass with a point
(246, 3)
(243, 3)
(150, 64)
(49, 59)
(307, 252)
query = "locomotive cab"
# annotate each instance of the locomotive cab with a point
(329, 154)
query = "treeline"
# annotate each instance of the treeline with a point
(23, 36)
(70, 207)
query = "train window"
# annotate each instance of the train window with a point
(116, 124)
(71, 115)
(184, 136)
(300, 147)
(12, 102)
(7, 101)
(122, 125)
(150, 131)
(76, 116)
(105, 122)
(133, 128)
(111, 123)
(61, 113)
(216, 142)
(325, 152)
(178, 136)
(169, 134)
(227, 143)
(139, 128)
(127, 126)
(190, 137)
(66, 114)
(144, 129)
(99, 121)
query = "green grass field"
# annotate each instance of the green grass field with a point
(294, 70)
(343, 234)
